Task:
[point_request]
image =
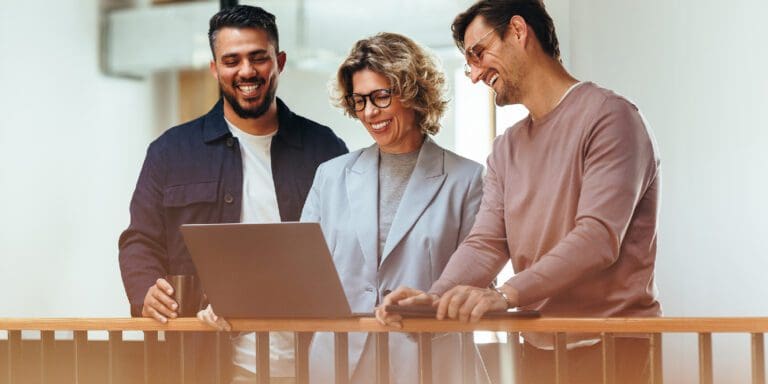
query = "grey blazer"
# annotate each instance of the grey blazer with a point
(435, 214)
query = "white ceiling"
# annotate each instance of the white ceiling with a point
(315, 33)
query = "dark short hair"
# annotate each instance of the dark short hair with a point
(243, 16)
(497, 13)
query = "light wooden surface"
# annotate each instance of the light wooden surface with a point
(570, 325)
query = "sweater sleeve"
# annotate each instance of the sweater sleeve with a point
(484, 251)
(619, 165)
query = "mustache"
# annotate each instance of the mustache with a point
(256, 80)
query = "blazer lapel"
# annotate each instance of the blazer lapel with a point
(427, 178)
(363, 196)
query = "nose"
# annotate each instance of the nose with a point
(474, 73)
(370, 110)
(246, 69)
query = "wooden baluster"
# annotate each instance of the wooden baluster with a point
(188, 354)
(425, 358)
(222, 342)
(468, 357)
(561, 358)
(150, 357)
(341, 360)
(705, 358)
(609, 358)
(301, 349)
(510, 359)
(758, 359)
(47, 339)
(80, 339)
(14, 357)
(173, 346)
(262, 357)
(382, 357)
(655, 359)
(113, 357)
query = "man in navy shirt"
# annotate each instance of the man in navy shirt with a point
(250, 159)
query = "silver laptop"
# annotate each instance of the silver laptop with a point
(266, 270)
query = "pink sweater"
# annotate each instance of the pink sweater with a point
(572, 199)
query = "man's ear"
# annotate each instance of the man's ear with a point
(212, 67)
(517, 28)
(281, 59)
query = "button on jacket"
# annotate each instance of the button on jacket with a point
(193, 173)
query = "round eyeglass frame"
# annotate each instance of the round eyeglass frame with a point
(372, 96)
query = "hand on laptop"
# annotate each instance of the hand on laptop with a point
(158, 303)
(207, 316)
(402, 296)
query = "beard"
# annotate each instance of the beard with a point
(255, 111)
(509, 95)
(511, 91)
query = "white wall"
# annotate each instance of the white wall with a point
(697, 70)
(71, 144)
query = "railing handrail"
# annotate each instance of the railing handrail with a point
(366, 324)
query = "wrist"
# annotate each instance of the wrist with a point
(504, 296)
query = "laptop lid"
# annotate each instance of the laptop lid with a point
(266, 270)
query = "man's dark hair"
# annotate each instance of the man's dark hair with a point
(497, 14)
(243, 16)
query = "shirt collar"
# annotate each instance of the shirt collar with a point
(215, 127)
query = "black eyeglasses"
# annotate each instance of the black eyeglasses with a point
(381, 98)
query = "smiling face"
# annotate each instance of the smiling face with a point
(393, 128)
(494, 61)
(246, 67)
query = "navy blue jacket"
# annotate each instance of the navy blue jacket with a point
(193, 173)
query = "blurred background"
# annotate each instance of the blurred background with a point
(85, 85)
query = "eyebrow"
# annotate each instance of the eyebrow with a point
(251, 53)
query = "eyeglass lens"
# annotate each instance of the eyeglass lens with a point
(381, 98)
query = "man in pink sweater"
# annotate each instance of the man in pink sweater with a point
(571, 198)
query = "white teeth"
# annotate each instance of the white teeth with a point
(249, 88)
(380, 125)
(493, 80)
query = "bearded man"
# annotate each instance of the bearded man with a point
(250, 159)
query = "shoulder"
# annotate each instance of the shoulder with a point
(187, 135)
(338, 165)
(193, 133)
(615, 113)
(599, 101)
(311, 132)
(617, 123)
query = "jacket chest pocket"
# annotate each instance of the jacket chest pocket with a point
(185, 195)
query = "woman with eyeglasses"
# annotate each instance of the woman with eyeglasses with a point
(394, 212)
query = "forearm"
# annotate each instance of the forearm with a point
(587, 249)
(140, 266)
(474, 263)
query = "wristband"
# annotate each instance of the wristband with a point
(503, 296)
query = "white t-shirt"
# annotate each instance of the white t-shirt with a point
(260, 206)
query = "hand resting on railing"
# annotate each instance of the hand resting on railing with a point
(402, 296)
(463, 303)
(209, 317)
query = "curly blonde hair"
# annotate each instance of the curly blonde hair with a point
(412, 72)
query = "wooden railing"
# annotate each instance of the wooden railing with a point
(79, 364)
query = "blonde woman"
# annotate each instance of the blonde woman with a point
(394, 212)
